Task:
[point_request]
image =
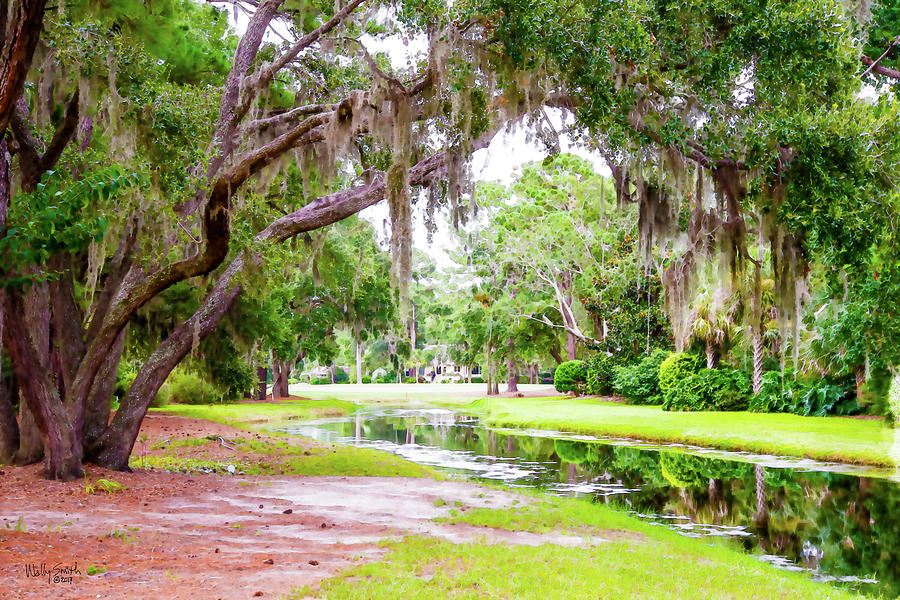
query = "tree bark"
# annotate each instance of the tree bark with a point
(281, 369)
(31, 444)
(9, 427)
(61, 438)
(489, 372)
(512, 384)
(358, 360)
(99, 405)
(114, 447)
(556, 356)
(712, 355)
(757, 361)
(21, 34)
(262, 374)
(860, 376)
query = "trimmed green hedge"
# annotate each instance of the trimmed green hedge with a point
(676, 367)
(571, 376)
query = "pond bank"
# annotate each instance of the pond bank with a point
(211, 534)
(855, 441)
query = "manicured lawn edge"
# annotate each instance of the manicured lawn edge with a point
(837, 439)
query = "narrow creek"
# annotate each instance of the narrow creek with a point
(840, 522)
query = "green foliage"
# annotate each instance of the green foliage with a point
(341, 376)
(571, 376)
(709, 389)
(676, 367)
(320, 381)
(107, 486)
(59, 216)
(894, 398)
(600, 374)
(184, 387)
(817, 398)
(640, 382)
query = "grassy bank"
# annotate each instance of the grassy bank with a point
(270, 453)
(825, 438)
(635, 560)
(257, 414)
(434, 394)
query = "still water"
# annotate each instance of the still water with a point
(840, 522)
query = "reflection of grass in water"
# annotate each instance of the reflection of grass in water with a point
(424, 568)
(824, 438)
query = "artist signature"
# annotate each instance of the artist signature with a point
(58, 573)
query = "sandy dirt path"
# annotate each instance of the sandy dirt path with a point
(180, 536)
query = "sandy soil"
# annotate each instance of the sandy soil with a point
(180, 536)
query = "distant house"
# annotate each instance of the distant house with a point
(324, 371)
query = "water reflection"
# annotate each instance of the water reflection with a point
(843, 527)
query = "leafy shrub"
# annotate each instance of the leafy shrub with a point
(640, 383)
(600, 373)
(782, 393)
(571, 376)
(894, 398)
(124, 378)
(189, 388)
(341, 376)
(366, 379)
(709, 389)
(677, 366)
(320, 381)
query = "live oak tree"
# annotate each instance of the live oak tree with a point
(318, 100)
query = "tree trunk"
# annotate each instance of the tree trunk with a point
(570, 345)
(860, 374)
(61, 437)
(412, 327)
(262, 374)
(9, 427)
(556, 356)
(358, 360)
(512, 384)
(31, 444)
(115, 445)
(99, 406)
(489, 372)
(757, 361)
(21, 33)
(712, 355)
(280, 372)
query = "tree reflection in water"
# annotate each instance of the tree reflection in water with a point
(837, 525)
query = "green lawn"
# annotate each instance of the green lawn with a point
(249, 413)
(277, 457)
(638, 561)
(445, 394)
(825, 438)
